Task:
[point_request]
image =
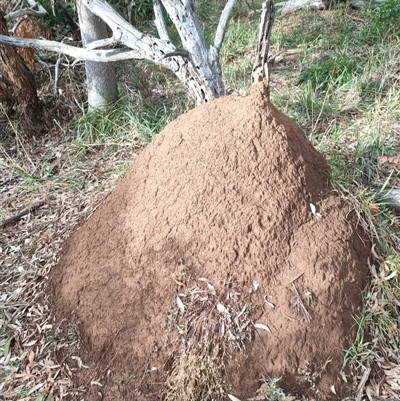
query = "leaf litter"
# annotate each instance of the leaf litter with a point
(29, 247)
(209, 326)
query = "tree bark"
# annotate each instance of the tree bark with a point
(18, 85)
(100, 77)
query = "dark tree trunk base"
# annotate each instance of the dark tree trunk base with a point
(17, 87)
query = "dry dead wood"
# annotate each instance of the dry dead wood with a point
(21, 214)
(260, 68)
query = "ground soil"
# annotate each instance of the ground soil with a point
(223, 193)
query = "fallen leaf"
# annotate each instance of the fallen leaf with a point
(262, 326)
(390, 276)
(7, 347)
(31, 358)
(35, 388)
(180, 304)
(221, 309)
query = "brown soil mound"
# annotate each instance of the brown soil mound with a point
(223, 194)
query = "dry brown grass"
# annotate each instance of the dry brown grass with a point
(209, 324)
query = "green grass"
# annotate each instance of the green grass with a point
(359, 352)
(271, 390)
(330, 72)
(236, 56)
(119, 122)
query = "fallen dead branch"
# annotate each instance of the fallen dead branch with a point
(21, 214)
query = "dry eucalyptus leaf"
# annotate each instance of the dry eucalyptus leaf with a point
(180, 304)
(221, 309)
(31, 358)
(262, 326)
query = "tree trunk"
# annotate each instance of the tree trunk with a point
(204, 58)
(100, 77)
(18, 86)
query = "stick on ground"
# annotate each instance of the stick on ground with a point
(21, 214)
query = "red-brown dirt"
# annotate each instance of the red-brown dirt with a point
(223, 193)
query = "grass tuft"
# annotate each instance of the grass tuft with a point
(209, 327)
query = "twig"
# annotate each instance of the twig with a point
(294, 279)
(300, 304)
(2, 183)
(40, 12)
(376, 397)
(361, 385)
(19, 215)
(260, 68)
(72, 51)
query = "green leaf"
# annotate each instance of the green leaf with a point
(7, 346)
(35, 388)
(50, 397)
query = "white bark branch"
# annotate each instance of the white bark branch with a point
(72, 51)
(40, 12)
(202, 63)
(203, 57)
(41, 9)
(223, 24)
(20, 13)
(291, 6)
(159, 21)
(187, 24)
(102, 43)
(146, 46)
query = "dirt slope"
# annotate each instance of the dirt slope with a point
(224, 194)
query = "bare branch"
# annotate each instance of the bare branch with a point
(146, 46)
(41, 9)
(291, 6)
(190, 32)
(202, 56)
(260, 69)
(72, 51)
(160, 21)
(21, 214)
(202, 62)
(40, 12)
(196, 64)
(101, 43)
(223, 24)
(19, 13)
